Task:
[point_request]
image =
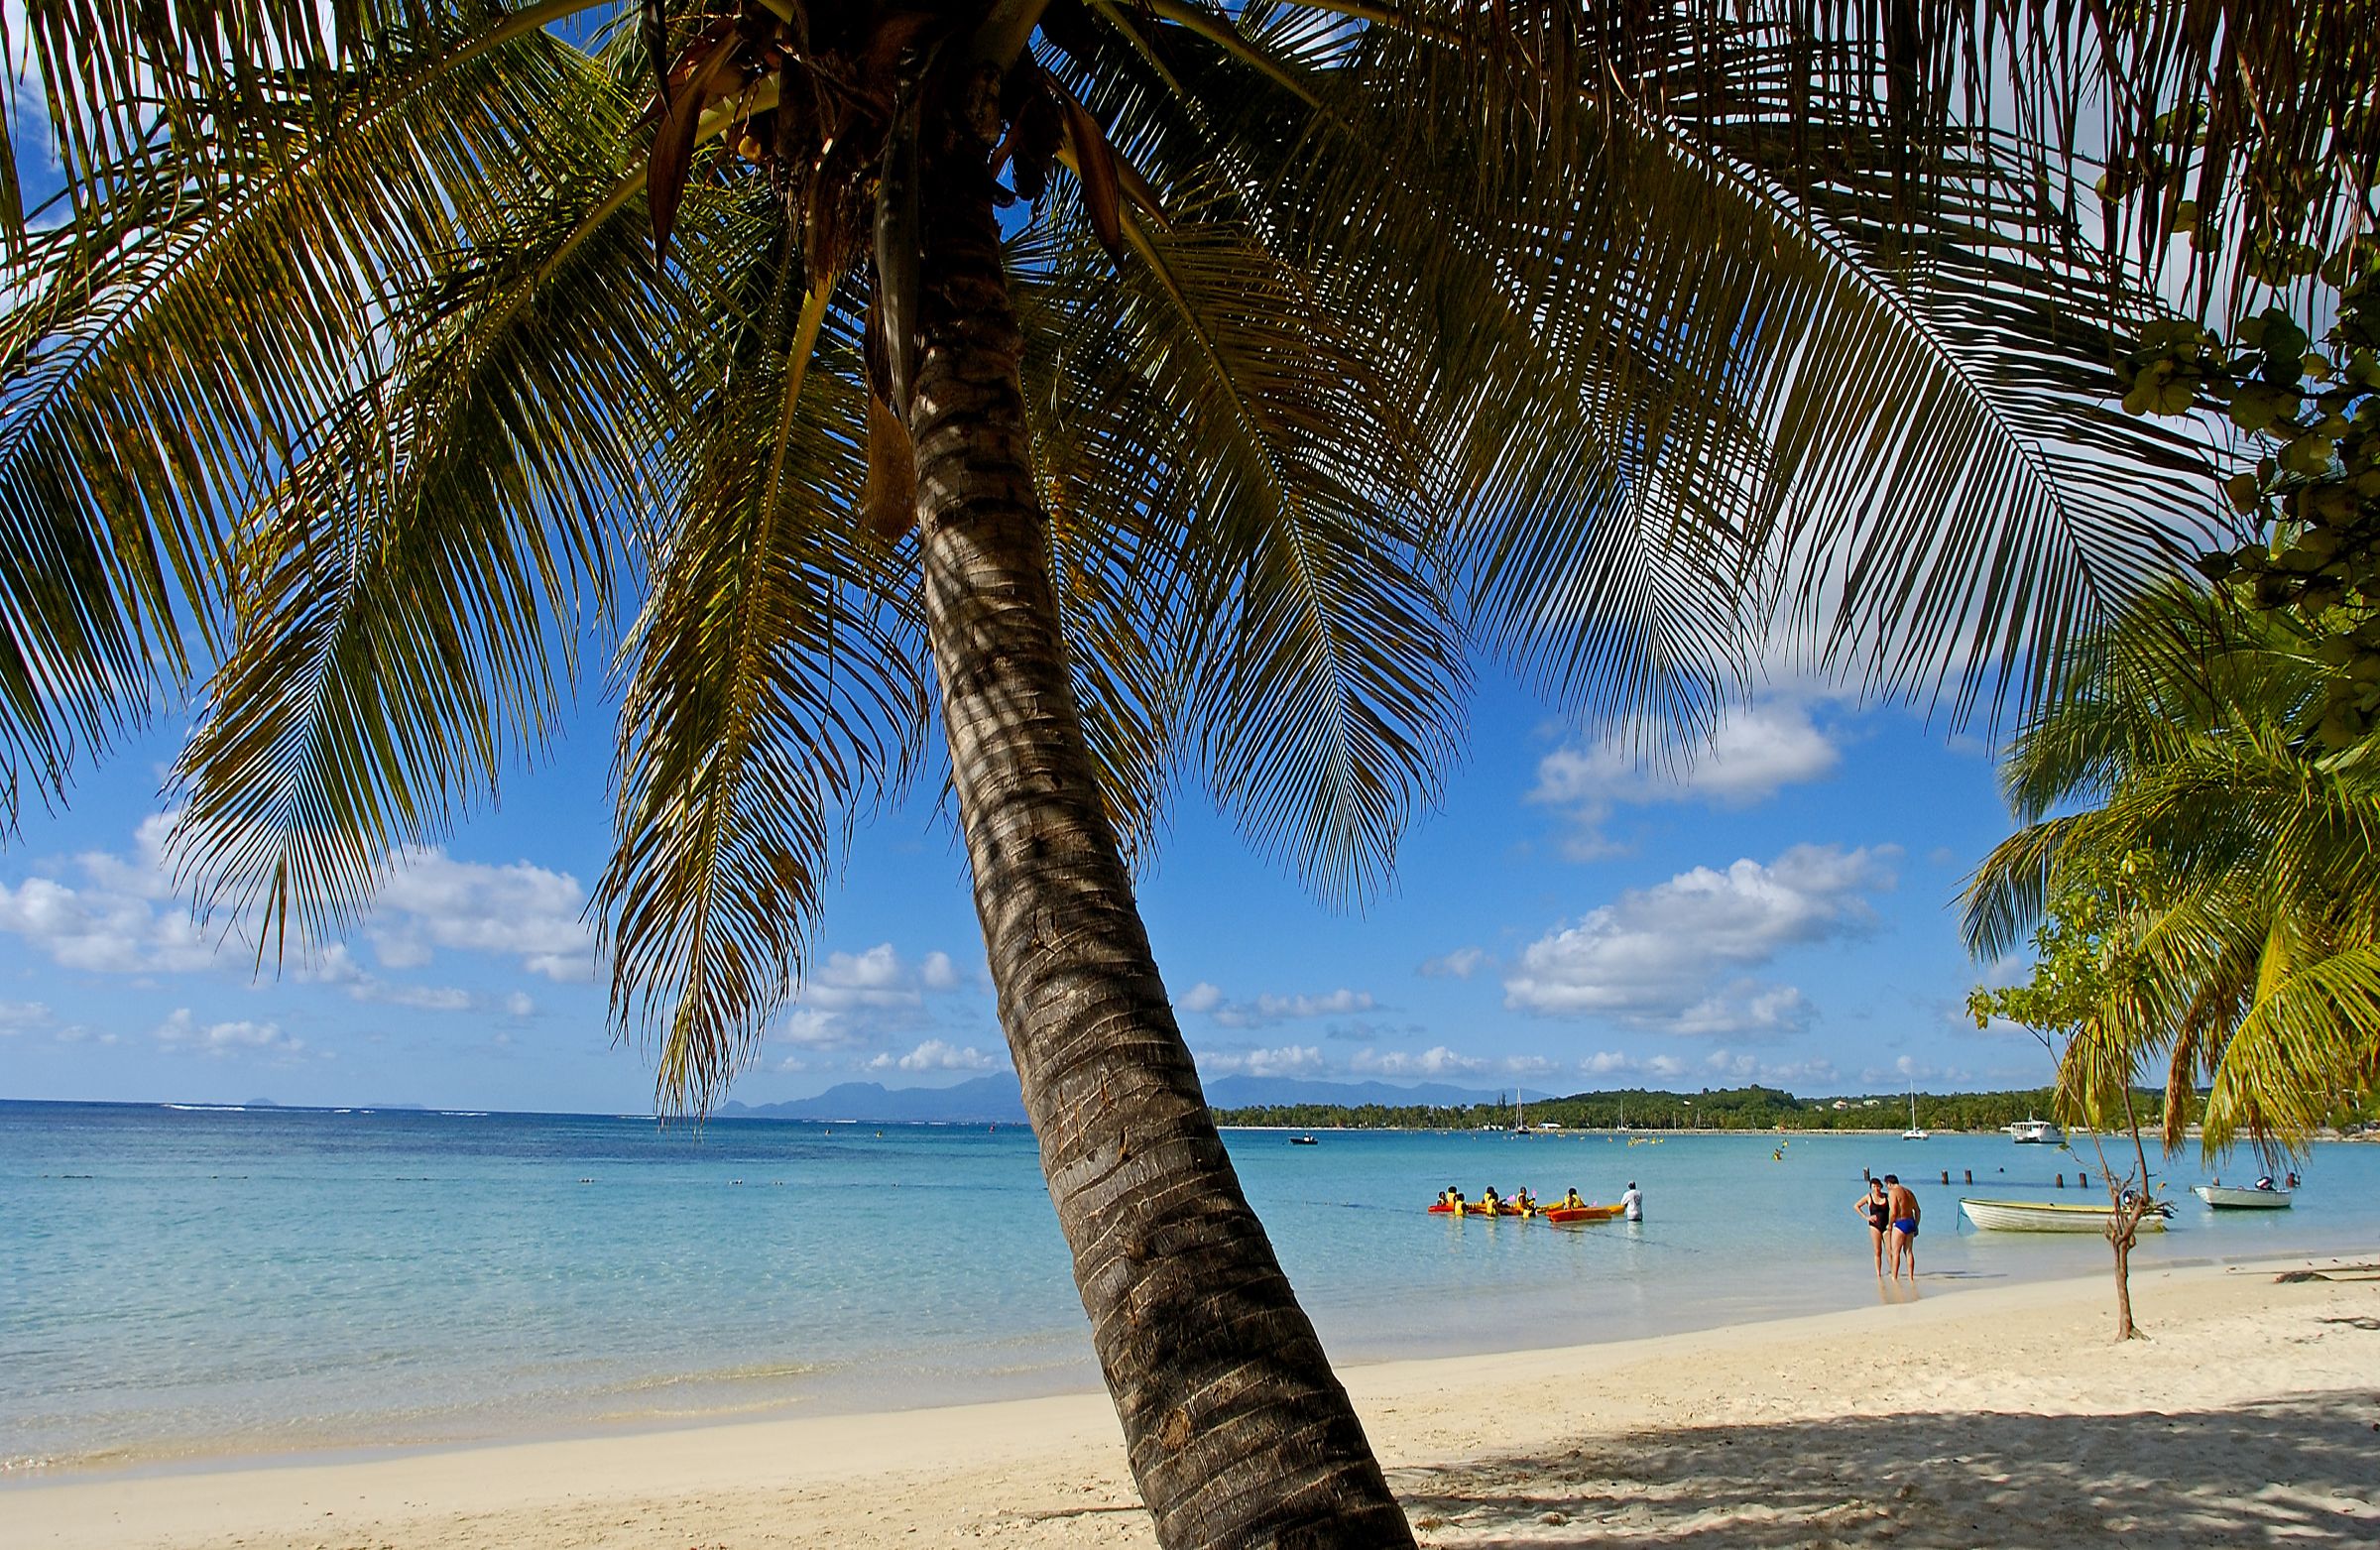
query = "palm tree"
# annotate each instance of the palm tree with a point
(1343, 338)
(2183, 745)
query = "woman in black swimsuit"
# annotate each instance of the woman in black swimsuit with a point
(1878, 1215)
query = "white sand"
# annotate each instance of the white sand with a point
(2003, 1415)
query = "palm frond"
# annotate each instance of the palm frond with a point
(409, 602)
(2308, 1042)
(178, 347)
(772, 694)
(1325, 664)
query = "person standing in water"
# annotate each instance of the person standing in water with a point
(1633, 1202)
(1876, 1212)
(1901, 1203)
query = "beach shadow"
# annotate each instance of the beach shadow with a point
(2301, 1470)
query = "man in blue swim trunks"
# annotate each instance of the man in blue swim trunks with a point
(1902, 1206)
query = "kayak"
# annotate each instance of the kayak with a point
(1473, 1208)
(1581, 1213)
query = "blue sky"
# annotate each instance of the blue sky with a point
(1783, 910)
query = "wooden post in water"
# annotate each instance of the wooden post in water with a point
(2062, 1181)
(2082, 1181)
(1969, 1174)
(1945, 1175)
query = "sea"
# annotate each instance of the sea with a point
(187, 1285)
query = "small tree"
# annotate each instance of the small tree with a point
(2083, 1003)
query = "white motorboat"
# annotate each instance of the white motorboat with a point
(2045, 1216)
(2036, 1133)
(2233, 1197)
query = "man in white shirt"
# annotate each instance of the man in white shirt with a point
(1633, 1202)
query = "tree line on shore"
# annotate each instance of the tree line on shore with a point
(1713, 1109)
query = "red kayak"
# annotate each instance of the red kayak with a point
(1581, 1213)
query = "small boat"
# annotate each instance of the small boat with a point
(2043, 1215)
(2036, 1133)
(2233, 1197)
(1303, 1140)
(1913, 1134)
(1581, 1213)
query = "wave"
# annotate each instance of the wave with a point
(207, 1108)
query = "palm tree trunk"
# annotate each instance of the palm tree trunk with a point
(1239, 1433)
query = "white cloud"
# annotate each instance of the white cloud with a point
(876, 978)
(1910, 1071)
(105, 928)
(856, 999)
(1745, 1007)
(145, 874)
(335, 965)
(1287, 1060)
(813, 1028)
(519, 1004)
(1614, 1063)
(126, 916)
(1460, 964)
(1658, 957)
(182, 1031)
(520, 910)
(399, 950)
(936, 1056)
(1438, 1060)
(23, 1016)
(1724, 1066)
(1757, 751)
(1270, 1009)
(1737, 1066)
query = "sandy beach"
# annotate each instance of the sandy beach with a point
(1969, 1417)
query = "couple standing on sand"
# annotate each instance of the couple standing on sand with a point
(1889, 1208)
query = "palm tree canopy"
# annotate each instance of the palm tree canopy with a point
(2181, 750)
(1360, 338)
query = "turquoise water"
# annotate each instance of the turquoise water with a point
(185, 1284)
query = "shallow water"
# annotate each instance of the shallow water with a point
(179, 1284)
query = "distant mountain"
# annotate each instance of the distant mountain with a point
(986, 1100)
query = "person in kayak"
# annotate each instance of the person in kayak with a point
(1571, 1201)
(1490, 1200)
(1450, 1196)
